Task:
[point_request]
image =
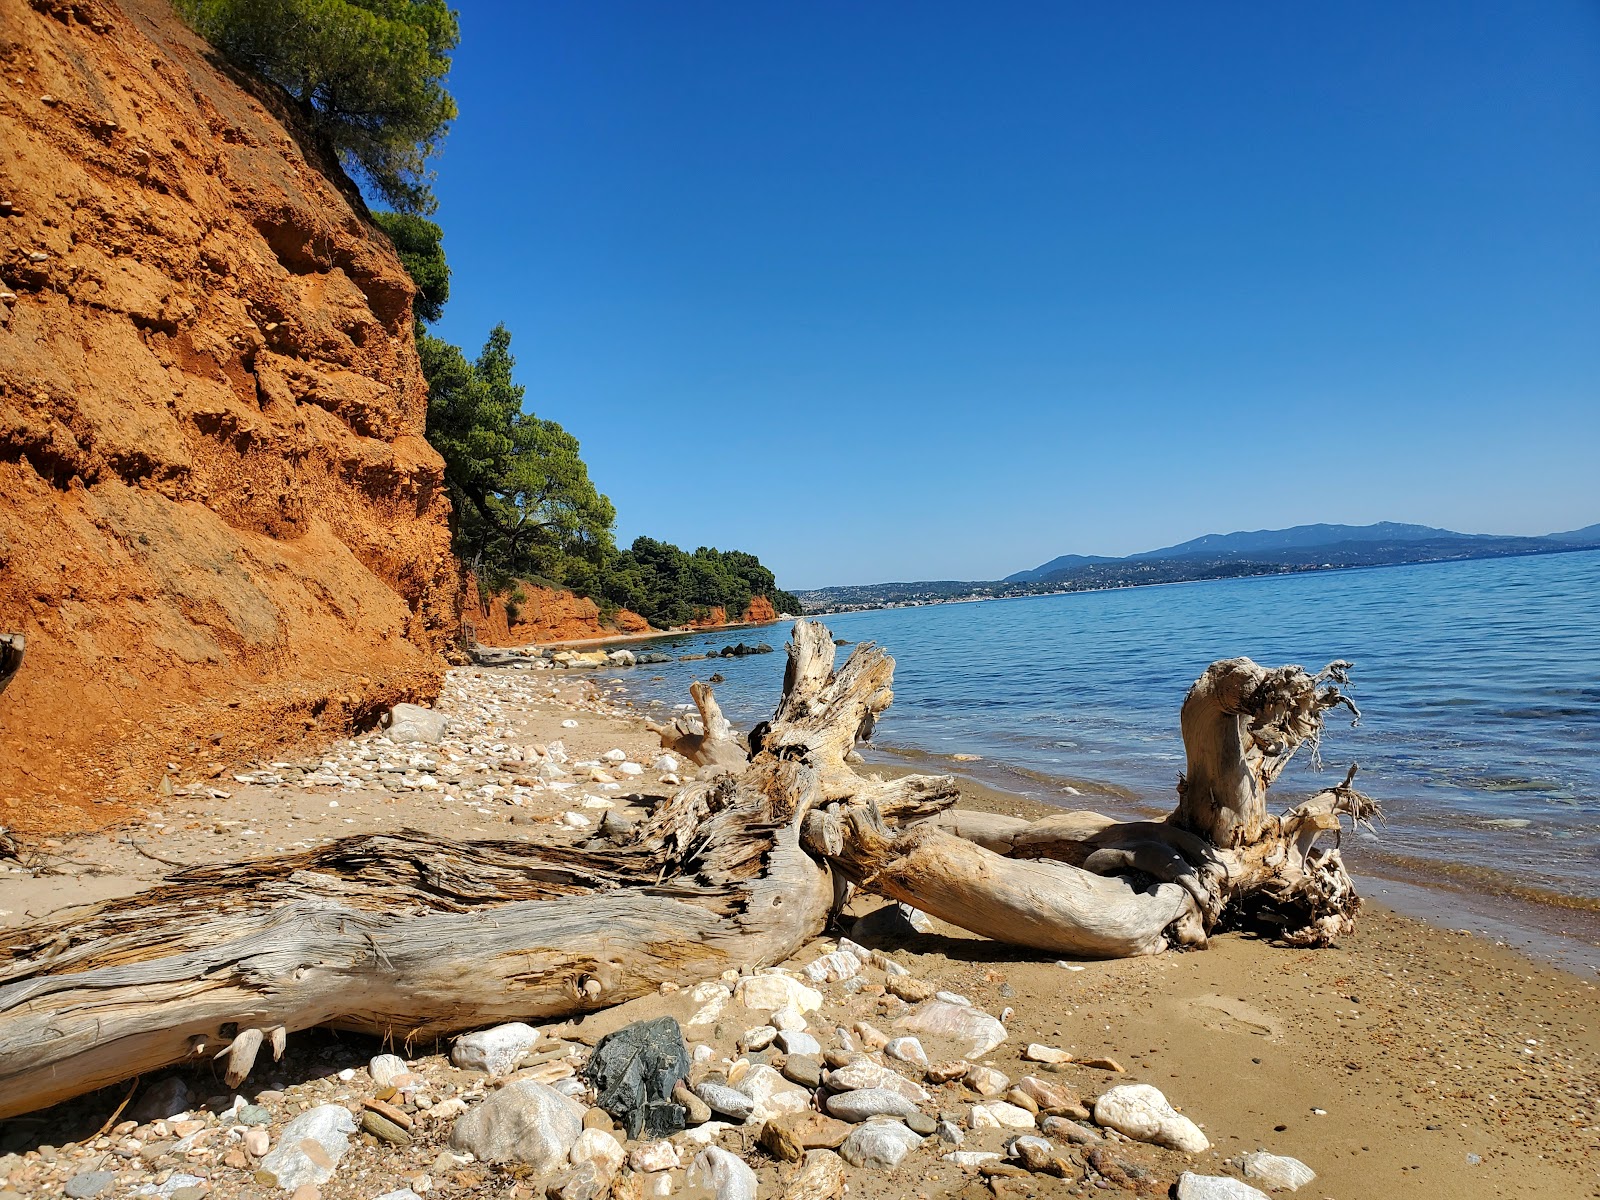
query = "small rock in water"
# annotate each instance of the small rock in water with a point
(880, 1145)
(1141, 1112)
(494, 1051)
(310, 1147)
(725, 1174)
(1278, 1172)
(1215, 1187)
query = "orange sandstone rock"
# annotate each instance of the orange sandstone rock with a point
(220, 526)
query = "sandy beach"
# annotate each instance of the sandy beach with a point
(1410, 1060)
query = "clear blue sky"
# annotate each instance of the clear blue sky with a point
(909, 291)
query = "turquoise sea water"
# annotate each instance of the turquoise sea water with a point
(1479, 685)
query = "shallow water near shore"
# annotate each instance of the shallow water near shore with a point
(1479, 685)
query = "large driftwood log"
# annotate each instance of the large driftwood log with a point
(410, 937)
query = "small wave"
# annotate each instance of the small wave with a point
(1477, 878)
(1053, 785)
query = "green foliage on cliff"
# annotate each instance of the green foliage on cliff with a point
(523, 501)
(669, 586)
(523, 498)
(368, 75)
(417, 241)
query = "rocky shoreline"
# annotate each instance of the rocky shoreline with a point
(901, 1058)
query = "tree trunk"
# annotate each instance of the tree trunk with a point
(411, 937)
(1241, 726)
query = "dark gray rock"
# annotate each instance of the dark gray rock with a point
(634, 1071)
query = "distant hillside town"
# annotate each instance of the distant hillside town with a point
(1214, 556)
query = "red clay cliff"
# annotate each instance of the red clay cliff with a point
(220, 526)
(542, 615)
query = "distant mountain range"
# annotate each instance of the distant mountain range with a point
(1216, 556)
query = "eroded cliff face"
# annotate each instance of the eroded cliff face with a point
(542, 615)
(220, 526)
(760, 612)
